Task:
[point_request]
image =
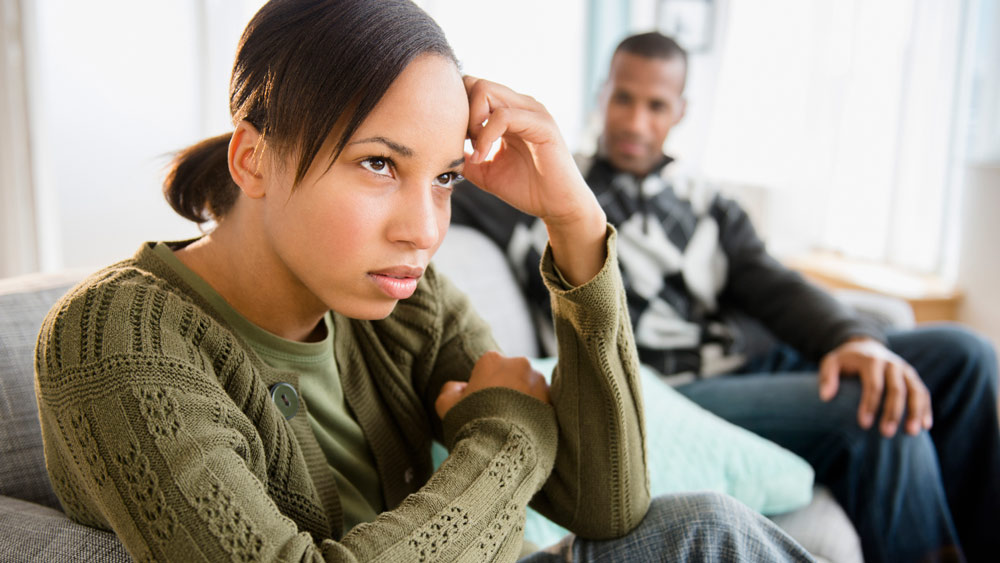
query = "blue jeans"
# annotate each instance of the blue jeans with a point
(685, 527)
(910, 498)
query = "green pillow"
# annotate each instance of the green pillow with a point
(691, 449)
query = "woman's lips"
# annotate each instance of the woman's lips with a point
(399, 282)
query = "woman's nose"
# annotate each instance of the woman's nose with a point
(416, 218)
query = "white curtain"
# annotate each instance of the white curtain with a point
(845, 111)
(115, 87)
(18, 251)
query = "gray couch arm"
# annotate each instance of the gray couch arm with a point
(477, 266)
(888, 313)
(32, 532)
(823, 529)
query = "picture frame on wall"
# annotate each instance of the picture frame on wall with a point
(689, 22)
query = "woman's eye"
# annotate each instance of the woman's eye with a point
(377, 165)
(448, 179)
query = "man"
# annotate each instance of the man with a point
(902, 427)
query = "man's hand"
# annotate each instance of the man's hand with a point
(881, 372)
(494, 370)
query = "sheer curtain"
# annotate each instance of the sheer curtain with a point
(18, 251)
(115, 87)
(844, 110)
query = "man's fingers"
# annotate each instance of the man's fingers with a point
(829, 377)
(928, 419)
(872, 384)
(895, 399)
(918, 403)
(881, 372)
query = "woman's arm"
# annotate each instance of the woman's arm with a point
(189, 461)
(599, 487)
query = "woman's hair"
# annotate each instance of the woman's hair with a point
(304, 69)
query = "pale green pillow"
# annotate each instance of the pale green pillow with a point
(691, 449)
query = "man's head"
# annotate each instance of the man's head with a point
(642, 99)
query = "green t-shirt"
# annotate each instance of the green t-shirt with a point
(336, 430)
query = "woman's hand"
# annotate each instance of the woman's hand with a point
(534, 171)
(494, 370)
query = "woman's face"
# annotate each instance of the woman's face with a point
(359, 235)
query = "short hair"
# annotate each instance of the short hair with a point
(653, 45)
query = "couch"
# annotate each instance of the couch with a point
(478, 267)
(32, 525)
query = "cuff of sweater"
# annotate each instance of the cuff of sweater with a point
(535, 418)
(595, 304)
(852, 330)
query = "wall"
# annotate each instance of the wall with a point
(979, 263)
(18, 243)
(114, 89)
(116, 86)
(534, 47)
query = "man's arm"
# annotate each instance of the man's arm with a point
(820, 327)
(796, 311)
(486, 213)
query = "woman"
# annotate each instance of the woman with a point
(271, 389)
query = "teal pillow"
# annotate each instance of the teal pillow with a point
(691, 449)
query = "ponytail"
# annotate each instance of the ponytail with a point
(198, 185)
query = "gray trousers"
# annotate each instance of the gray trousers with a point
(685, 527)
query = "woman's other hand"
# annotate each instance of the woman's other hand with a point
(494, 370)
(534, 171)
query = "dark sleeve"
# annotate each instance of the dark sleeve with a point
(796, 311)
(516, 234)
(488, 214)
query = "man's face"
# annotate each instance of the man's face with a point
(643, 101)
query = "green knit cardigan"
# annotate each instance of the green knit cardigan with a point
(158, 425)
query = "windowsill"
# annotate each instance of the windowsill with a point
(931, 298)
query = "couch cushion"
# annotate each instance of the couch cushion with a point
(23, 304)
(691, 449)
(883, 311)
(29, 532)
(476, 265)
(822, 527)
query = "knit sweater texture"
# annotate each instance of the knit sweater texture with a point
(158, 425)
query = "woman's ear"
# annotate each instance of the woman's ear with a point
(246, 163)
